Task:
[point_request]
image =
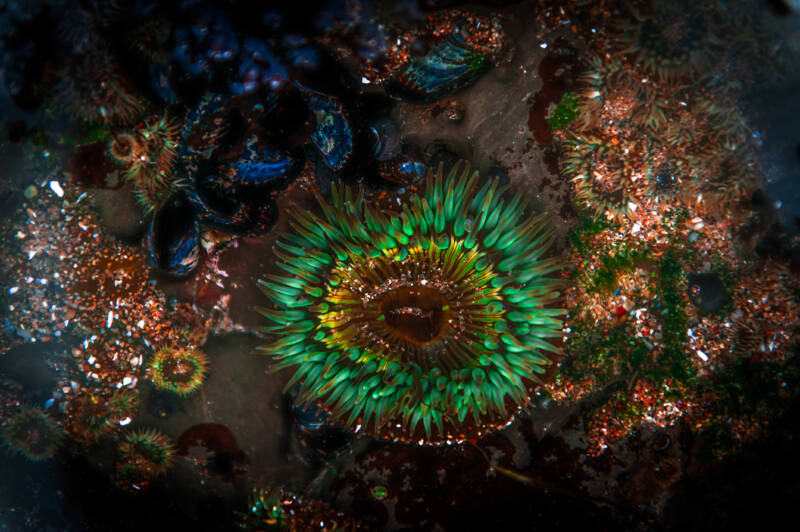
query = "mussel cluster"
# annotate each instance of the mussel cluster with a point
(211, 109)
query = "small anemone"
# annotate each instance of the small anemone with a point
(178, 370)
(599, 174)
(265, 511)
(93, 415)
(677, 41)
(733, 173)
(275, 509)
(32, 433)
(146, 451)
(149, 155)
(95, 88)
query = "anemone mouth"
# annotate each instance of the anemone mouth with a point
(180, 371)
(415, 314)
(429, 309)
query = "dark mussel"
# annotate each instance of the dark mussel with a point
(244, 218)
(208, 128)
(449, 66)
(254, 168)
(288, 121)
(332, 135)
(258, 68)
(318, 436)
(237, 197)
(385, 138)
(173, 238)
(209, 39)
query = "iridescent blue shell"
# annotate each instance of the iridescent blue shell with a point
(449, 66)
(239, 217)
(332, 136)
(258, 168)
(173, 238)
(205, 127)
(253, 172)
(309, 417)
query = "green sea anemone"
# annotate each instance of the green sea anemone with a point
(599, 174)
(679, 40)
(32, 433)
(439, 313)
(178, 370)
(148, 155)
(147, 451)
(93, 415)
(264, 512)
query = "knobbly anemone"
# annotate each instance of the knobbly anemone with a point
(425, 323)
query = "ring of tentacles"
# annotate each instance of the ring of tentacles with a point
(428, 322)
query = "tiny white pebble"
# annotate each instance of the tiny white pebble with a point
(56, 187)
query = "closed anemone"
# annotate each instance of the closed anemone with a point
(429, 322)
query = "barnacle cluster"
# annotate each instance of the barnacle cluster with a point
(439, 315)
